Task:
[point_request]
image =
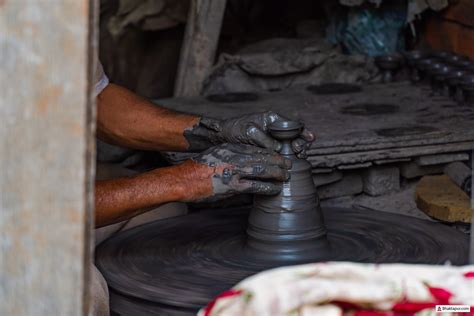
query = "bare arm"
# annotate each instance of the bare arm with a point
(217, 173)
(121, 199)
(126, 119)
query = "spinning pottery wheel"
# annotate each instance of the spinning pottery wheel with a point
(177, 265)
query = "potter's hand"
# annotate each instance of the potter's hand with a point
(229, 169)
(249, 129)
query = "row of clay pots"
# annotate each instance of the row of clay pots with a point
(448, 74)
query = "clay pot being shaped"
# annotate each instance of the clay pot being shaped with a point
(290, 224)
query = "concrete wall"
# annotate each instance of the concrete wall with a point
(46, 125)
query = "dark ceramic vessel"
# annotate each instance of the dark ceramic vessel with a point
(438, 81)
(452, 81)
(422, 65)
(412, 57)
(467, 89)
(388, 64)
(469, 66)
(464, 64)
(289, 224)
(431, 71)
(457, 60)
(442, 55)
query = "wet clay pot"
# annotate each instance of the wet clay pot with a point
(291, 223)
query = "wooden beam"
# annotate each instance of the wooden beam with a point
(46, 155)
(199, 45)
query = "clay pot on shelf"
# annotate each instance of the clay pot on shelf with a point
(457, 60)
(412, 57)
(467, 89)
(453, 79)
(439, 78)
(441, 55)
(388, 64)
(431, 71)
(469, 66)
(422, 65)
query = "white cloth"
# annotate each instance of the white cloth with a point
(99, 294)
(344, 288)
(101, 80)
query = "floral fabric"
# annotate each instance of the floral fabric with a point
(340, 288)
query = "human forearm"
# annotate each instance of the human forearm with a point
(217, 173)
(126, 119)
(120, 199)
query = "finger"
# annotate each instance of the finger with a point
(272, 117)
(298, 145)
(307, 136)
(247, 155)
(303, 153)
(258, 187)
(256, 155)
(273, 159)
(261, 171)
(260, 138)
(249, 149)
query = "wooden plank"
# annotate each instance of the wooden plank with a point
(46, 156)
(199, 45)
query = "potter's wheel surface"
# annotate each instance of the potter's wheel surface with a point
(185, 261)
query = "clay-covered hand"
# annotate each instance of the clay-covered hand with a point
(230, 169)
(249, 129)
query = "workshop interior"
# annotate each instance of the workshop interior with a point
(373, 218)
